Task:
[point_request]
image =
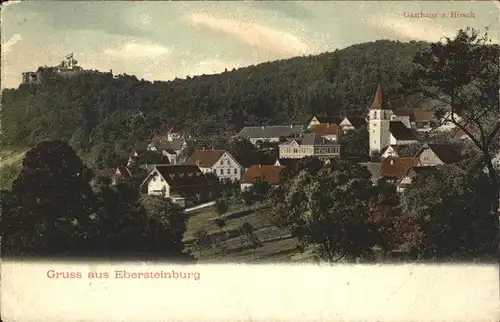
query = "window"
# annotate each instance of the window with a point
(374, 141)
(221, 162)
(295, 150)
(221, 171)
(374, 115)
(235, 171)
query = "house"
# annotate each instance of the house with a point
(317, 120)
(437, 154)
(421, 120)
(400, 134)
(446, 123)
(170, 149)
(271, 174)
(270, 133)
(345, 123)
(289, 163)
(396, 151)
(409, 177)
(329, 131)
(219, 162)
(182, 184)
(122, 173)
(176, 132)
(309, 144)
(396, 168)
(352, 123)
(144, 158)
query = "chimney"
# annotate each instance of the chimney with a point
(262, 127)
(291, 126)
(392, 161)
(260, 166)
(198, 162)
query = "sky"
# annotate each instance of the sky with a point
(162, 40)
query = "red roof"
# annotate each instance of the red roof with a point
(268, 173)
(377, 101)
(396, 167)
(205, 158)
(325, 129)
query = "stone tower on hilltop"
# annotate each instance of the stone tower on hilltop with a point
(379, 122)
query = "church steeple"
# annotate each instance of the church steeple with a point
(377, 101)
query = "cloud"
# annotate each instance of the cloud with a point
(7, 46)
(135, 50)
(10, 2)
(213, 66)
(254, 34)
(417, 29)
(420, 30)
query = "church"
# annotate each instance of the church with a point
(385, 127)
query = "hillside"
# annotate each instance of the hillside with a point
(102, 111)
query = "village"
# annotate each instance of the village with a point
(186, 181)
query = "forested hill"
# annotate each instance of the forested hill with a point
(99, 108)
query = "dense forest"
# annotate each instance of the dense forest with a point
(95, 111)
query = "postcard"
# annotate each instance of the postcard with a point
(250, 160)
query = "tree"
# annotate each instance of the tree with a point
(450, 207)
(385, 211)
(248, 235)
(221, 206)
(202, 239)
(329, 210)
(247, 197)
(462, 74)
(260, 190)
(354, 144)
(134, 225)
(52, 203)
(410, 150)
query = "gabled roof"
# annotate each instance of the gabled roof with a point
(403, 112)
(445, 152)
(123, 171)
(356, 121)
(325, 129)
(309, 139)
(399, 148)
(415, 115)
(290, 163)
(271, 131)
(179, 175)
(422, 116)
(268, 173)
(400, 131)
(396, 167)
(205, 158)
(150, 157)
(336, 119)
(377, 100)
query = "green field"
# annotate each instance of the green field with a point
(10, 164)
(277, 245)
(12, 157)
